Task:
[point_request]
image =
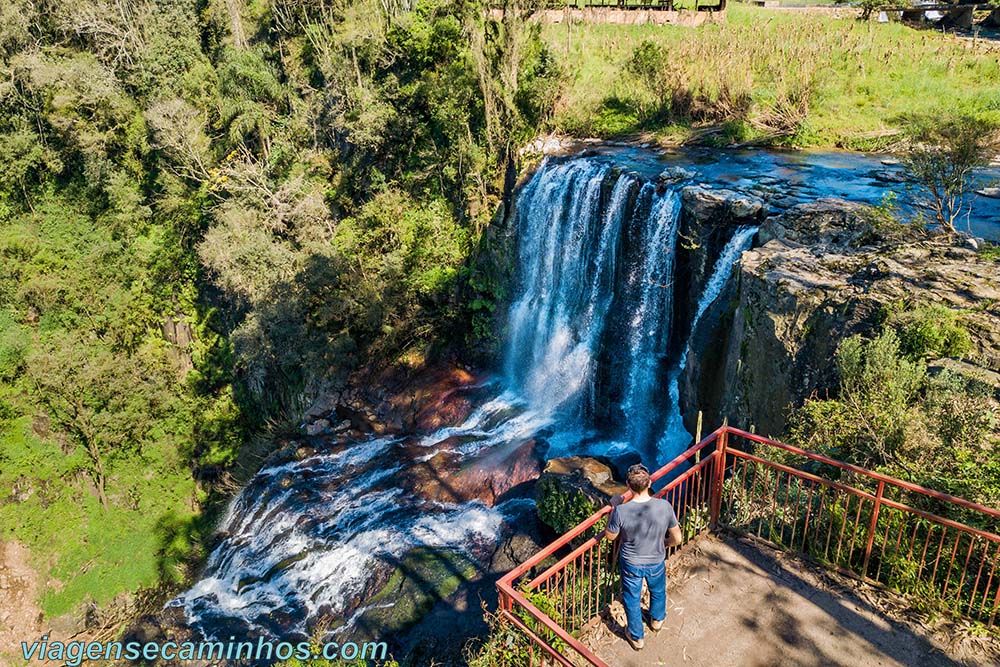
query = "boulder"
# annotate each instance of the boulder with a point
(824, 221)
(673, 175)
(318, 427)
(443, 476)
(720, 207)
(423, 577)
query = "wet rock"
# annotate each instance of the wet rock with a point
(318, 427)
(420, 579)
(889, 176)
(442, 476)
(571, 489)
(708, 220)
(304, 452)
(720, 207)
(993, 193)
(620, 461)
(518, 547)
(545, 145)
(672, 175)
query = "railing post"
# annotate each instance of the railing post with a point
(720, 471)
(697, 439)
(871, 528)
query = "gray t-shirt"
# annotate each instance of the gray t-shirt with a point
(643, 528)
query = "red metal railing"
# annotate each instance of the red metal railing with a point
(886, 531)
(552, 605)
(871, 526)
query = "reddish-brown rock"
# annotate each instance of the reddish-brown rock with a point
(445, 477)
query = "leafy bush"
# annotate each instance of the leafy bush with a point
(941, 431)
(204, 213)
(930, 332)
(869, 420)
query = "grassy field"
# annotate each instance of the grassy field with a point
(785, 78)
(83, 552)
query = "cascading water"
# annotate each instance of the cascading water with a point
(586, 369)
(590, 329)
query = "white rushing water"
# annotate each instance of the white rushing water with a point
(586, 369)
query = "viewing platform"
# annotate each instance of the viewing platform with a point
(790, 558)
(730, 602)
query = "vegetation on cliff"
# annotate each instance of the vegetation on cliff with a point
(206, 208)
(209, 208)
(936, 426)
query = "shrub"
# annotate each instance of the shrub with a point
(930, 332)
(868, 422)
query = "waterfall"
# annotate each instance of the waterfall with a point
(304, 539)
(586, 370)
(592, 321)
(566, 260)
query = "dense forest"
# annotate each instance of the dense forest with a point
(206, 208)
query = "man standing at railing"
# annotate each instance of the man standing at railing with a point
(647, 526)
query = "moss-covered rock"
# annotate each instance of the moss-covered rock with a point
(571, 489)
(423, 577)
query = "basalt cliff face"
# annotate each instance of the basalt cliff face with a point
(820, 272)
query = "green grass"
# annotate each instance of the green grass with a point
(855, 77)
(80, 551)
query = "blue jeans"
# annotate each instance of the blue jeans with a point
(656, 579)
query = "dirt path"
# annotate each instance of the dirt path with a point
(20, 616)
(735, 605)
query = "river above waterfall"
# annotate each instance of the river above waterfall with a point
(787, 177)
(595, 336)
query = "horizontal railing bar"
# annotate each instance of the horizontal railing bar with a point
(886, 502)
(555, 546)
(909, 486)
(830, 565)
(550, 625)
(801, 474)
(985, 534)
(593, 541)
(680, 458)
(596, 516)
(510, 596)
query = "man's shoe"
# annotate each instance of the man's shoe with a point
(655, 625)
(637, 644)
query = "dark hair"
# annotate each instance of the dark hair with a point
(638, 478)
